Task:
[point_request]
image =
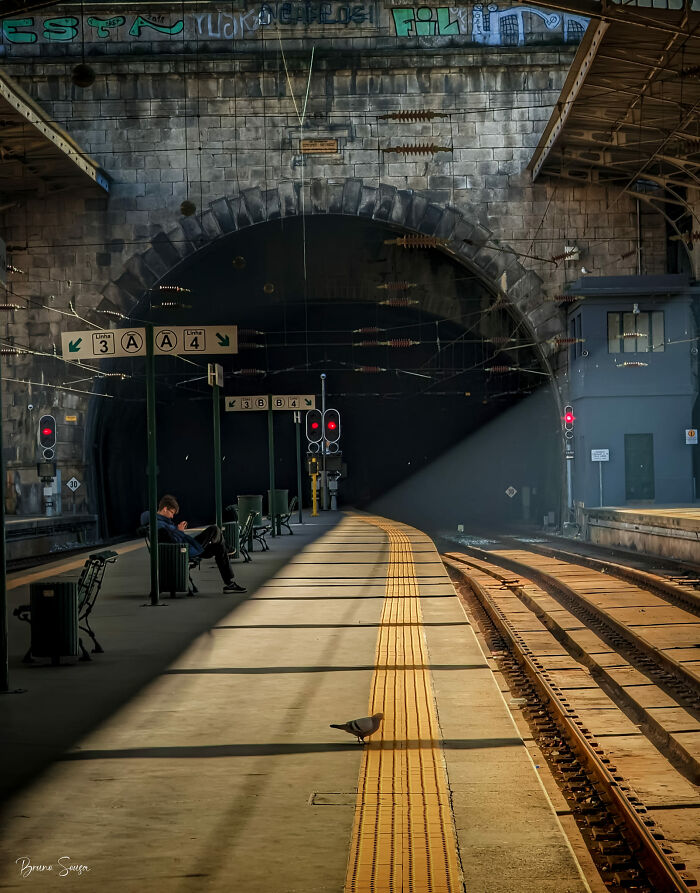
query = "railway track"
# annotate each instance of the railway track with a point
(606, 667)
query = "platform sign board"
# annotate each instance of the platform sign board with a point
(278, 401)
(510, 492)
(600, 455)
(174, 340)
(246, 404)
(73, 484)
(294, 401)
(691, 435)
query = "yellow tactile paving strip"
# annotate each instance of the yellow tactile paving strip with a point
(403, 836)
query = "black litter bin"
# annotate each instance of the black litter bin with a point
(173, 567)
(54, 620)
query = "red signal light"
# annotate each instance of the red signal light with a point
(332, 426)
(315, 425)
(569, 417)
(46, 431)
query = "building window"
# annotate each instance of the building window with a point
(636, 332)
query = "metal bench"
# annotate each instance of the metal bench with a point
(89, 585)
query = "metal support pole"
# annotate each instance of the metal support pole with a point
(4, 655)
(218, 502)
(152, 463)
(314, 495)
(297, 422)
(600, 481)
(324, 480)
(271, 452)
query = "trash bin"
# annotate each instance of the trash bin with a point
(232, 538)
(248, 504)
(173, 567)
(54, 619)
(279, 504)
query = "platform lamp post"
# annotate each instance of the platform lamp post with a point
(297, 424)
(215, 377)
(152, 463)
(271, 455)
(324, 484)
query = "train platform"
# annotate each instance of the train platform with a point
(671, 531)
(196, 753)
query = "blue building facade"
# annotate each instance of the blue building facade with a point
(633, 385)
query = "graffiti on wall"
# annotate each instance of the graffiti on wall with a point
(481, 24)
(490, 26)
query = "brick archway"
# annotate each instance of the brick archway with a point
(413, 211)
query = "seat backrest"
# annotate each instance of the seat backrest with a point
(247, 527)
(293, 504)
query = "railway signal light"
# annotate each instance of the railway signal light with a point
(314, 429)
(47, 436)
(569, 419)
(331, 425)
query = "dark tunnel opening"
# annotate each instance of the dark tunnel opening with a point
(419, 354)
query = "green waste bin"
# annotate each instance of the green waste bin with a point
(54, 619)
(248, 504)
(279, 504)
(173, 567)
(232, 538)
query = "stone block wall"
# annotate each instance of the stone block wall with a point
(224, 130)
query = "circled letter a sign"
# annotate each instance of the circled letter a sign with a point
(166, 340)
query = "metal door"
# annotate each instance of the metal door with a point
(639, 466)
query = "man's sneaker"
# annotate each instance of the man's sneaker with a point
(234, 587)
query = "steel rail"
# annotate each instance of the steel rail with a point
(687, 762)
(672, 592)
(583, 605)
(653, 854)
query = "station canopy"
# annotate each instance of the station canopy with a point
(37, 157)
(628, 113)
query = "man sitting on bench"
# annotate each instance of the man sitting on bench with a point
(207, 544)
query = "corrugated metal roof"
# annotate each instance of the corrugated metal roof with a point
(628, 114)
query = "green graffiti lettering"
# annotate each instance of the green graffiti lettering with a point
(60, 29)
(103, 25)
(10, 30)
(444, 25)
(140, 23)
(403, 21)
(424, 21)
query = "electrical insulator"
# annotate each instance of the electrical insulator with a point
(417, 242)
(399, 302)
(418, 149)
(409, 115)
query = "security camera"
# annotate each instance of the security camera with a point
(30, 406)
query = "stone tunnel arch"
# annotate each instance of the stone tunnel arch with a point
(462, 237)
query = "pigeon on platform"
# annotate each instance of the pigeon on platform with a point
(368, 725)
